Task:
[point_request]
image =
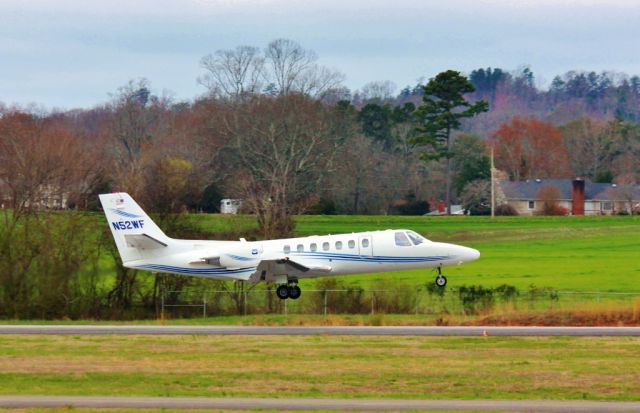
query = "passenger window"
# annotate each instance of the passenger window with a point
(365, 243)
(314, 247)
(402, 240)
(325, 246)
(352, 244)
(338, 245)
(287, 249)
(300, 248)
(415, 238)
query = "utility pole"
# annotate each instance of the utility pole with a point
(493, 187)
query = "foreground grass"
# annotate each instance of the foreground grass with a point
(322, 366)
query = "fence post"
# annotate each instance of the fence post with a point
(417, 300)
(373, 300)
(204, 305)
(162, 304)
(245, 302)
(325, 302)
(285, 307)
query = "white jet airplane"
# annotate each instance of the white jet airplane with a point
(142, 245)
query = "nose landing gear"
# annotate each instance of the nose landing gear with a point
(441, 280)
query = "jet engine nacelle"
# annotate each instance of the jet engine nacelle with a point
(242, 257)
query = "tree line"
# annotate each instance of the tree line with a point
(282, 132)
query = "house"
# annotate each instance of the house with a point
(230, 206)
(577, 196)
(46, 196)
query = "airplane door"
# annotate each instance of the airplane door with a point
(365, 245)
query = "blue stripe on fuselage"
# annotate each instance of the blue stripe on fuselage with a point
(370, 258)
(196, 271)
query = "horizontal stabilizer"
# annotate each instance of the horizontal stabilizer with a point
(143, 242)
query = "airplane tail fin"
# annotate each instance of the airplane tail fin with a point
(136, 235)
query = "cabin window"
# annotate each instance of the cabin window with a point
(325, 246)
(606, 206)
(300, 248)
(365, 243)
(338, 245)
(532, 204)
(402, 240)
(314, 247)
(415, 238)
(287, 249)
(352, 244)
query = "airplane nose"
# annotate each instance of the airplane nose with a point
(468, 254)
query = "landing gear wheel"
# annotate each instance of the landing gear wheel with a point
(441, 280)
(294, 292)
(282, 292)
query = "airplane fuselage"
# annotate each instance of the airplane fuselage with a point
(143, 245)
(342, 254)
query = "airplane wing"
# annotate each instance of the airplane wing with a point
(267, 268)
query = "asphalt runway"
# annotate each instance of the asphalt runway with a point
(236, 403)
(322, 330)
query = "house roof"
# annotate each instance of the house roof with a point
(592, 191)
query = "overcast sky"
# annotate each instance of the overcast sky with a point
(67, 54)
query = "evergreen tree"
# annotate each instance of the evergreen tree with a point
(443, 108)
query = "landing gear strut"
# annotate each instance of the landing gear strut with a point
(441, 280)
(290, 290)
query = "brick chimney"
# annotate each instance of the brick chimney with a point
(577, 196)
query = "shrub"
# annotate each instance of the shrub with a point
(507, 292)
(412, 206)
(349, 300)
(475, 298)
(506, 210)
(391, 297)
(549, 195)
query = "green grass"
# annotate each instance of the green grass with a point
(322, 366)
(568, 253)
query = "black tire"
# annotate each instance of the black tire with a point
(282, 292)
(441, 281)
(294, 292)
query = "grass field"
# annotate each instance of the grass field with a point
(322, 366)
(568, 253)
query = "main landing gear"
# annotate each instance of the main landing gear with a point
(290, 290)
(441, 280)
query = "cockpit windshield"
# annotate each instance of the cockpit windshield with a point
(402, 240)
(415, 238)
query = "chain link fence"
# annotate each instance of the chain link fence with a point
(459, 301)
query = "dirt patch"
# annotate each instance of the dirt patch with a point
(584, 318)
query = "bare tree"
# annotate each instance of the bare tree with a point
(379, 90)
(233, 73)
(284, 147)
(318, 80)
(136, 119)
(590, 146)
(288, 62)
